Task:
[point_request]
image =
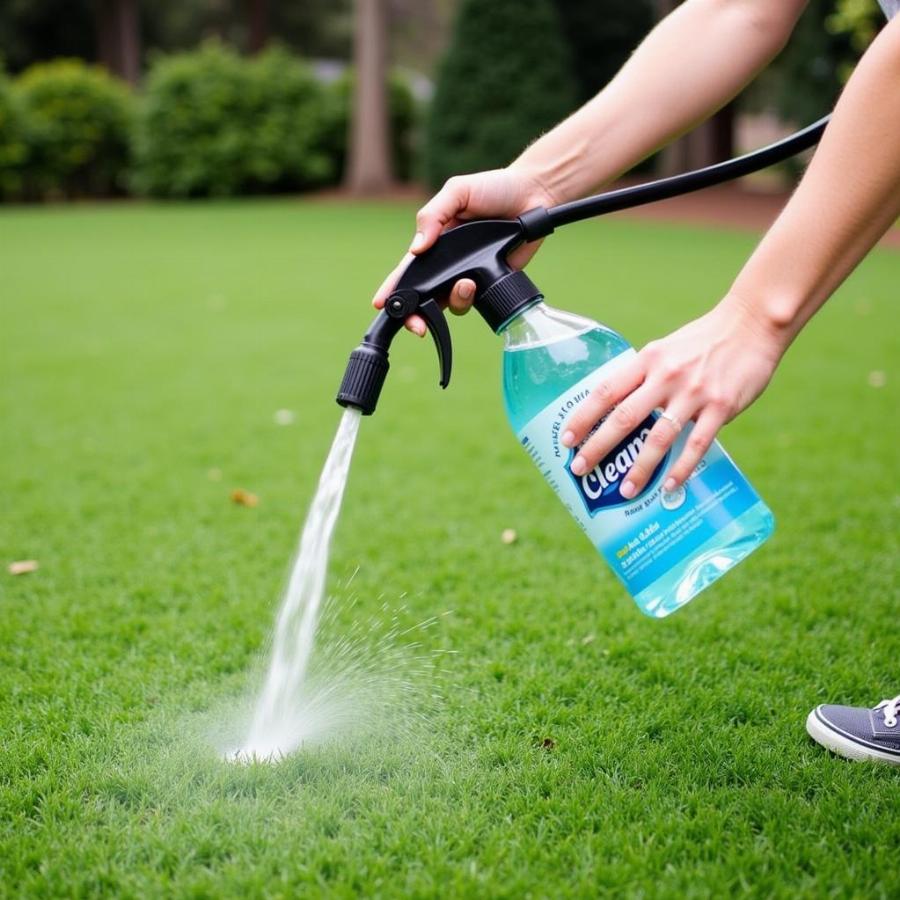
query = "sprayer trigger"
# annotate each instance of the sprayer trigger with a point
(440, 331)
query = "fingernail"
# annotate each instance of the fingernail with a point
(670, 485)
(567, 439)
(628, 490)
(579, 466)
(465, 291)
(417, 242)
(419, 329)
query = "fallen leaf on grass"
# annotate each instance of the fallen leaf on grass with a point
(244, 498)
(23, 567)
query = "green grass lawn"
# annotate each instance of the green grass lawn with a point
(570, 746)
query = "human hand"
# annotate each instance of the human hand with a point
(499, 193)
(706, 372)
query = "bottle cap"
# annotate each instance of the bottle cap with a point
(506, 297)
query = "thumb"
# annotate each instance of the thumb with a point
(438, 213)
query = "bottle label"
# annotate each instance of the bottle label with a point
(644, 537)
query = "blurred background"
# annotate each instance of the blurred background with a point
(194, 98)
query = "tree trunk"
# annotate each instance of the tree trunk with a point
(119, 38)
(257, 24)
(710, 142)
(369, 164)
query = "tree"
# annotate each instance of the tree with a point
(369, 169)
(42, 29)
(805, 81)
(257, 24)
(118, 38)
(602, 35)
(860, 19)
(420, 32)
(505, 78)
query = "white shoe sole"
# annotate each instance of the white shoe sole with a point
(843, 746)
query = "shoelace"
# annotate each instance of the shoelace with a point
(891, 710)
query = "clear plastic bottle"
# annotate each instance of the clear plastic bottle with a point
(665, 547)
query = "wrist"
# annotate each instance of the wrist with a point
(561, 164)
(771, 319)
(536, 184)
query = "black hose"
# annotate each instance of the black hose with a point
(625, 198)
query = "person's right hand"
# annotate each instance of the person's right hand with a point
(497, 194)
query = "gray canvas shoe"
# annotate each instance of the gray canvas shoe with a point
(859, 733)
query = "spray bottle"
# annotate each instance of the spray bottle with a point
(664, 547)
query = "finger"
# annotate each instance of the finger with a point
(656, 445)
(387, 286)
(699, 441)
(521, 256)
(416, 324)
(620, 423)
(439, 213)
(600, 401)
(461, 296)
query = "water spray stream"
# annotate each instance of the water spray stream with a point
(275, 730)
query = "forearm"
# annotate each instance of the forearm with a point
(848, 198)
(696, 60)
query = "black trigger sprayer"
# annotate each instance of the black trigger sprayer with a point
(476, 250)
(665, 546)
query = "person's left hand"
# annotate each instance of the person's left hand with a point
(706, 372)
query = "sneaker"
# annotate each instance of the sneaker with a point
(858, 733)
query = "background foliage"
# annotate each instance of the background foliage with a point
(506, 77)
(806, 79)
(482, 115)
(601, 35)
(77, 123)
(215, 123)
(208, 122)
(13, 141)
(402, 113)
(35, 30)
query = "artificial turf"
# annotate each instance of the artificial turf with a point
(570, 746)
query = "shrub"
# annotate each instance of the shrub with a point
(78, 119)
(602, 35)
(402, 115)
(213, 123)
(13, 141)
(506, 78)
(804, 82)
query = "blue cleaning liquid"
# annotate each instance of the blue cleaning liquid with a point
(664, 547)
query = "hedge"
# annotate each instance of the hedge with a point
(207, 123)
(14, 145)
(76, 122)
(214, 123)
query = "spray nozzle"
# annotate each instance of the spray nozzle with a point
(476, 250)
